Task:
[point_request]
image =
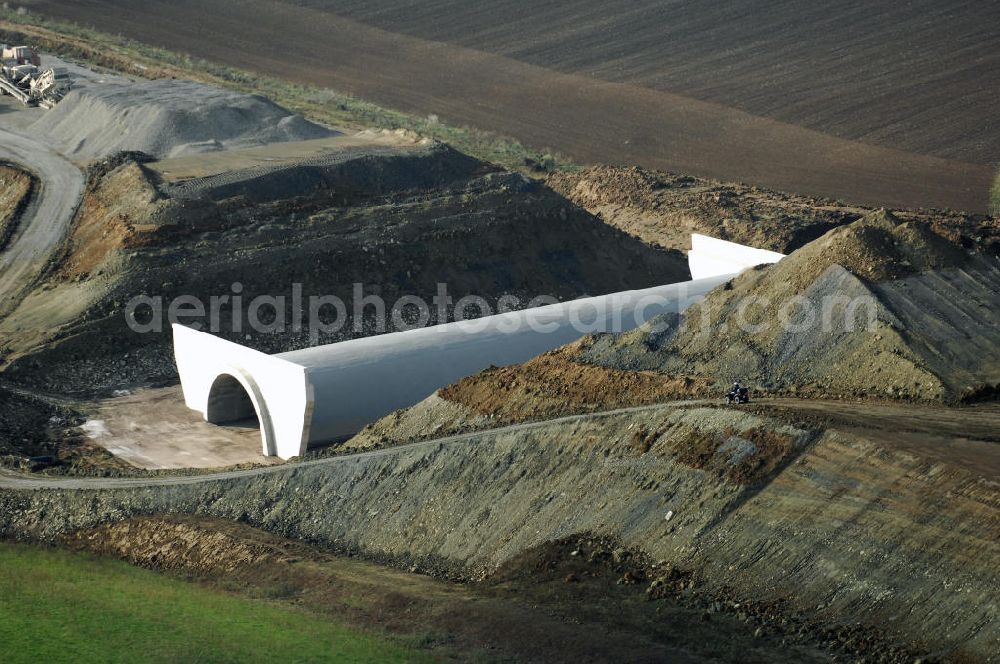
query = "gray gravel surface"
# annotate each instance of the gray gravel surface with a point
(46, 219)
(167, 118)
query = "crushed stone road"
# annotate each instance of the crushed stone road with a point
(47, 218)
(15, 480)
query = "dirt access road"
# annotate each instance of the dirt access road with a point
(47, 218)
(964, 436)
(589, 119)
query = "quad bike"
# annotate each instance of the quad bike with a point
(742, 395)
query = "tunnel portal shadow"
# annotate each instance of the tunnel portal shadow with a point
(229, 403)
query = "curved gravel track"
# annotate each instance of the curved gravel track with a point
(962, 436)
(15, 480)
(45, 221)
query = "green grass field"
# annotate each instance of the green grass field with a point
(57, 606)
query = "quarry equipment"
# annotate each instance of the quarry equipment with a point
(22, 77)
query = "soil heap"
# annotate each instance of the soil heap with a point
(881, 307)
(663, 209)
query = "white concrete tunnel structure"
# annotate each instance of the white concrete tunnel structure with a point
(327, 393)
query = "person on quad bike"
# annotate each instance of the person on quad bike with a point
(738, 394)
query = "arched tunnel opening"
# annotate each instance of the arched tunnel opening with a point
(229, 403)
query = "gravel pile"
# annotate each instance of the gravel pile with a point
(167, 118)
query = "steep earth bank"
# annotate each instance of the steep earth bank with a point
(831, 522)
(551, 385)
(381, 222)
(880, 308)
(663, 209)
(16, 187)
(577, 600)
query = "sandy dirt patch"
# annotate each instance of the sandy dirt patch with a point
(213, 163)
(153, 429)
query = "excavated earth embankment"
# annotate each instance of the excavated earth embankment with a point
(665, 208)
(16, 190)
(881, 308)
(379, 222)
(828, 522)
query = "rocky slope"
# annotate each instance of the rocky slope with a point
(16, 188)
(828, 522)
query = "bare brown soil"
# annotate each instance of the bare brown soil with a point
(929, 331)
(553, 384)
(16, 188)
(579, 599)
(965, 437)
(589, 119)
(110, 219)
(665, 208)
(921, 76)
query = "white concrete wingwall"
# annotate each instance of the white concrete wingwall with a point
(330, 392)
(227, 382)
(710, 257)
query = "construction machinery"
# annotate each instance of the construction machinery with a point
(22, 77)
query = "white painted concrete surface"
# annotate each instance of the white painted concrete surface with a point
(710, 257)
(330, 392)
(278, 390)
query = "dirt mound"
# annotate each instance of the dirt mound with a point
(665, 208)
(16, 188)
(548, 386)
(167, 118)
(553, 384)
(880, 308)
(201, 546)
